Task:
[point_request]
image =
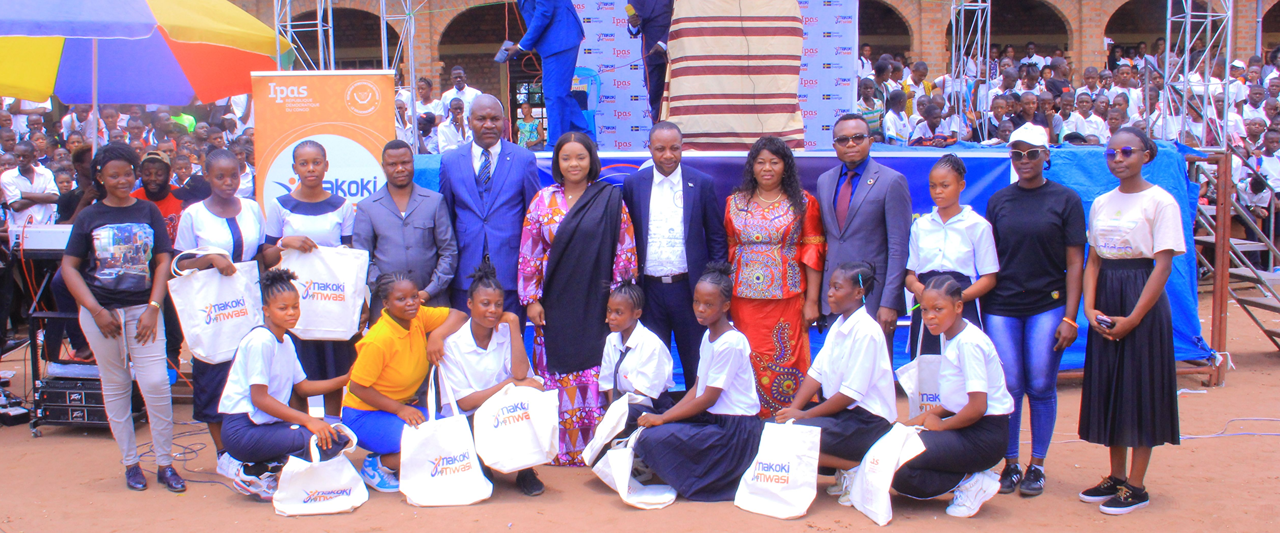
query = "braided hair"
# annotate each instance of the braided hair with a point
(382, 286)
(861, 274)
(953, 163)
(309, 144)
(116, 151)
(628, 289)
(947, 286)
(276, 281)
(720, 274)
(484, 277)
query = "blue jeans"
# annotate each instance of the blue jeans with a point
(1025, 345)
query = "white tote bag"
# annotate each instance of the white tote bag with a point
(320, 487)
(332, 286)
(874, 478)
(919, 379)
(215, 310)
(615, 471)
(518, 428)
(611, 424)
(438, 463)
(783, 479)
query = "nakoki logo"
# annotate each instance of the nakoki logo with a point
(325, 292)
(225, 311)
(621, 115)
(777, 473)
(511, 414)
(447, 465)
(621, 84)
(280, 92)
(318, 496)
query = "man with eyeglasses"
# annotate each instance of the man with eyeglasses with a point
(866, 216)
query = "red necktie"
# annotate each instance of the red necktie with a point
(842, 198)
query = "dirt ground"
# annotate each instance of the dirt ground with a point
(71, 480)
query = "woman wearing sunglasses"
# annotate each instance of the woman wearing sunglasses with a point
(1030, 315)
(1130, 397)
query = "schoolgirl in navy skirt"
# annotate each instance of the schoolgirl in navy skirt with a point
(635, 360)
(703, 445)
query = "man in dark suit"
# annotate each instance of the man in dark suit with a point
(487, 186)
(679, 227)
(552, 27)
(866, 215)
(652, 22)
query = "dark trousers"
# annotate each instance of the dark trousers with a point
(172, 331)
(656, 82)
(66, 303)
(668, 309)
(8, 288)
(510, 303)
(253, 443)
(951, 455)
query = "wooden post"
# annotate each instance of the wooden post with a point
(1221, 264)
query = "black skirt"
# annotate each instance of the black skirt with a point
(1130, 396)
(702, 457)
(920, 340)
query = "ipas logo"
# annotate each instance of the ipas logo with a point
(280, 92)
(810, 21)
(621, 84)
(810, 145)
(580, 7)
(808, 113)
(809, 52)
(318, 496)
(511, 414)
(807, 83)
(621, 115)
(447, 465)
(776, 473)
(323, 291)
(619, 21)
(621, 52)
(621, 145)
(218, 312)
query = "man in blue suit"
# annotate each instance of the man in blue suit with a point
(679, 226)
(652, 23)
(488, 185)
(555, 31)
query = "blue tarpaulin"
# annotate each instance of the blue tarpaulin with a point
(988, 169)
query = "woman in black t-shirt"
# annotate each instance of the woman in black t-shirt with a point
(116, 265)
(1030, 314)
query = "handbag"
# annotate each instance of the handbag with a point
(611, 424)
(783, 478)
(320, 487)
(874, 478)
(518, 428)
(332, 289)
(919, 380)
(615, 471)
(438, 462)
(215, 310)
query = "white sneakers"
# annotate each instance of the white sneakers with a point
(838, 487)
(378, 477)
(846, 486)
(228, 466)
(264, 486)
(972, 493)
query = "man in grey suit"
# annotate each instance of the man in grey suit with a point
(406, 228)
(866, 215)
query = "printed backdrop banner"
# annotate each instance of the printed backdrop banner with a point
(828, 67)
(350, 113)
(611, 71)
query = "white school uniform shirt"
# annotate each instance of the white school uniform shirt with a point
(468, 368)
(1251, 112)
(449, 137)
(852, 362)
(200, 227)
(246, 189)
(326, 222)
(1035, 59)
(1243, 189)
(1074, 123)
(467, 95)
(1135, 225)
(666, 253)
(964, 244)
(646, 370)
(13, 183)
(897, 127)
(261, 360)
(1269, 165)
(970, 364)
(726, 365)
(20, 120)
(866, 68)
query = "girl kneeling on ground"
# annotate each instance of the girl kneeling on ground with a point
(855, 378)
(258, 426)
(703, 445)
(967, 434)
(487, 354)
(393, 362)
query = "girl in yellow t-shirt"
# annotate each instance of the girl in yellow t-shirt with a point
(392, 362)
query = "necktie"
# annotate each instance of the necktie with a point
(486, 168)
(617, 367)
(842, 198)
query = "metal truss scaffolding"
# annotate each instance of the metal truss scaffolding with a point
(970, 48)
(287, 27)
(1199, 49)
(403, 13)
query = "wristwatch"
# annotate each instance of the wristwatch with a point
(154, 304)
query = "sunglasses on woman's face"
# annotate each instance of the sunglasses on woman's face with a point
(1125, 152)
(847, 140)
(1030, 155)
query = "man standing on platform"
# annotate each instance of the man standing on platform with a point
(679, 226)
(651, 22)
(488, 185)
(460, 90)
(555, 31)
(406, 228)
(866, 215)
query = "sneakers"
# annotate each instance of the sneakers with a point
(972, 493)
(1010, 477)
(1033, 484)
(1103, 491)
(1128, 499)
(228, 466)
(837, 488)
(378, 477)
(529, 483)
(640, 471)
(262, 486)
(846, 487)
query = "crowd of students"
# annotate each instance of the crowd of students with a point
(609, 277)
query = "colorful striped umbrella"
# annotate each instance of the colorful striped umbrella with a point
(147, 51)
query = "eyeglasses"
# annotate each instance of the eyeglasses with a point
(1125, 152)
(1031, 155)
(847, 140)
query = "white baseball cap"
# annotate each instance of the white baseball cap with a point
(1032, 134)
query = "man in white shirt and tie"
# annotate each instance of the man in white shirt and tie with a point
(679, 227)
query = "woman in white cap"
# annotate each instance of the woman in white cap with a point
(1039, 228)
